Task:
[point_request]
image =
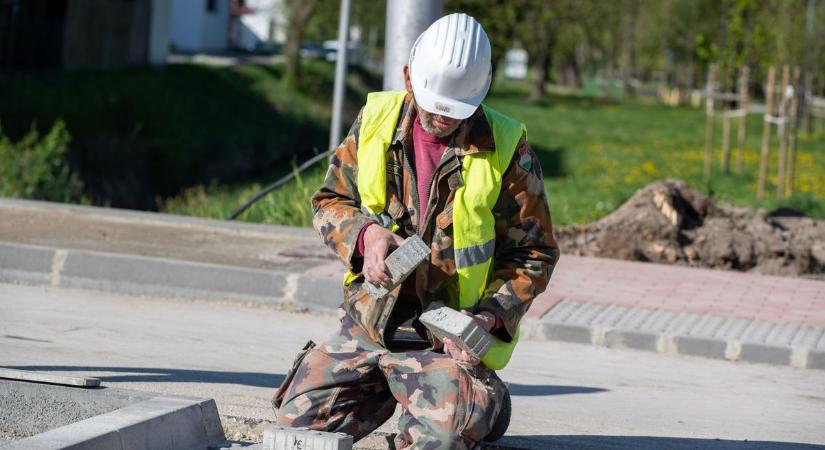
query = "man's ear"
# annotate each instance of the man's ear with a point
(407, 82)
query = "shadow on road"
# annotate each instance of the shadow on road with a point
(165, 375)
(581, 442)
(538, 390)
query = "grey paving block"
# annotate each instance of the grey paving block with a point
(820, 345)
(562, 311)
(285, 438)
(633, 319)
(609, 316)
(706, 326)
(639, 340)
(318, 293)
(25, 264)
(586, 313)
(658, 321)
(816, 359)
(558, 331)
(400, 264)
(154, 276)
(732, 329)
(708, 347)
(782, 335)
(682, 323)
(757, 331)
(807, 336)
(445, 322)
(765, 354)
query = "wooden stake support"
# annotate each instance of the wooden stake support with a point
(766, 133)
(783, 130)
(794, 129)
(743, 105)
(728, 99)
(709, 121)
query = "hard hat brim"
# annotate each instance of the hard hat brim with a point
(438, 104)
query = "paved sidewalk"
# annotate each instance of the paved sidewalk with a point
(665, 309)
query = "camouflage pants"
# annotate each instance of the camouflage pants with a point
(352, 385)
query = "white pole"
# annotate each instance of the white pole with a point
(340, 75)
(406, 20)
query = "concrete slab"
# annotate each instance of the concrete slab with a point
(25, 264)
(50, 378)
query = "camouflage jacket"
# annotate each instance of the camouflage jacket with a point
(525, 252)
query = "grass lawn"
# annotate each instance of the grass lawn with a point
(595, 154)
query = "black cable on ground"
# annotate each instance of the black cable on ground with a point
(307, 164)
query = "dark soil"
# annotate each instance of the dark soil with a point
(667, 222)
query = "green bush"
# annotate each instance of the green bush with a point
(36, 168)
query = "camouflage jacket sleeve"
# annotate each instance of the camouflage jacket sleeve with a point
(526, 251)
(336, 205)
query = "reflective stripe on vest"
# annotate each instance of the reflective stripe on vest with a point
(473, 222)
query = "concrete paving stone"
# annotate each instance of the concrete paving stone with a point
(609, 316)
(586, 314)
(562, 311)
(151, 276)
(560, 331)
(807, 336)
(816, 359)
(821, 344)
(164, 424)
(634, 318)
(756, 352)
(757, 331)
(86, 439)
(25, 263)
(658, 321)
(732, 329)
(638, 340)
(319, 293)
(782, 334)
(682, 323)
(706, 326)
(705, 346)
(50, 378)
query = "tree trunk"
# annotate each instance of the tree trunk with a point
(630, 16)
(541, 66)
(300, 12)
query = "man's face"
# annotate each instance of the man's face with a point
(436, 124)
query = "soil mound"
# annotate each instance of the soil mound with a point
(667, 222)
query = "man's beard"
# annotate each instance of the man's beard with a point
(431, 129)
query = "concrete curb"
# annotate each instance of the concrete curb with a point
(613, 326)
(140, 275)
(709, 336)
(156, 423)
(185, 222)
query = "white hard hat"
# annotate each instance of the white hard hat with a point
(450, 66)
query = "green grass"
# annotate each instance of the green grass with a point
(140, 134)
(595, 154)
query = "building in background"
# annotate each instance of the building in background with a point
(200, 25)
(83, 33)
(257, 24)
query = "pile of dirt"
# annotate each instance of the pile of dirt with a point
(667, 222)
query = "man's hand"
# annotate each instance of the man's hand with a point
(377, 242)
(486, 320)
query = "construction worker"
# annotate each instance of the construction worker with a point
(430, 161)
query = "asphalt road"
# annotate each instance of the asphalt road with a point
(564, 395)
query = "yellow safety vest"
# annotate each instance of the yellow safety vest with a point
(474, 235)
